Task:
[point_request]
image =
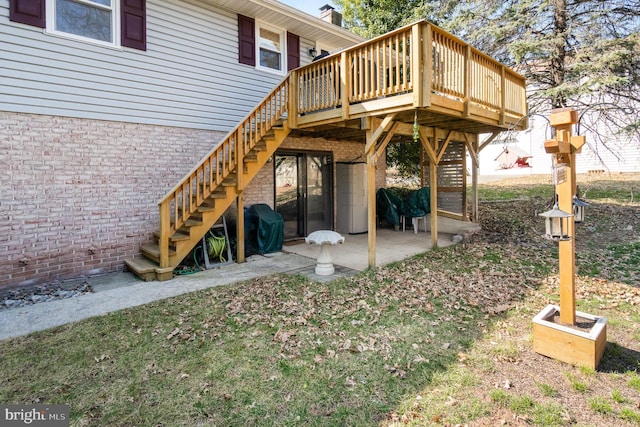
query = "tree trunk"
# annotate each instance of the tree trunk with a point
(559, 54)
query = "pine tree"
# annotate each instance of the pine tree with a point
(574, 53)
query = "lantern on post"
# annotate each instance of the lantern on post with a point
(578, 209)
(556, 223)
(556, 333)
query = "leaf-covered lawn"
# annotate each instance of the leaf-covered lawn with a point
(438, 339)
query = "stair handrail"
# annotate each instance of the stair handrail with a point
(179, 203)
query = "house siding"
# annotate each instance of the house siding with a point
(79, 196)
(612, 154)
(91, 138)
(188, 77)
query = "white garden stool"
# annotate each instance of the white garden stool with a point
(324, 238)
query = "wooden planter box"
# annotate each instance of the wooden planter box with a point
(575, 345)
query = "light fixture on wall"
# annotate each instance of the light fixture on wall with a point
(312, 52)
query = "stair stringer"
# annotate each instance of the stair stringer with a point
(208, 219)
(196, 203)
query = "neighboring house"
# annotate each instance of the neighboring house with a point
(134, 126)
(604, 152)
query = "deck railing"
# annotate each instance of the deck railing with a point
(421, 59)
(184, 199)
(417, 66)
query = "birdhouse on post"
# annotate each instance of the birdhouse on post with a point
(555, 331)
(578, 209)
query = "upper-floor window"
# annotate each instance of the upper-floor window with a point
(94, 20)
(270, 43)
(267, 48)
(106, 22)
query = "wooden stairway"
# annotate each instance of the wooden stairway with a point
(193, 206)
(418, 73)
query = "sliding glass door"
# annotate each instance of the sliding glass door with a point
(304, 192)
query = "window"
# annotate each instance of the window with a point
(270, 44)
(265, 47)
(87, 19)
(107, 22)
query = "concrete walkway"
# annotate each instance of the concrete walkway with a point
(123, 290)
(117, 291)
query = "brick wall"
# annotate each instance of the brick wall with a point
(80, 196)
(261, 188)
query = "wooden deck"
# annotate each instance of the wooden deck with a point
(419, 68)
(416, 82)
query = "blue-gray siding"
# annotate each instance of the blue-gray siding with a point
(189, 76)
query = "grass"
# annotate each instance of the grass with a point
(542, 414)
(617, 396)
(439, 339)
(548, 390)
(600, 405)
(634, 381)
(576, 384)
(254, 353)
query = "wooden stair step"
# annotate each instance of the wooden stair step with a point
(262, 145)
(192, 222)
(196, 216)
(177, 236)
(218, 194)
(144, 268)
(206, 208)
(230, 181)
(152, 251)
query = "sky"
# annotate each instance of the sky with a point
(312, 7)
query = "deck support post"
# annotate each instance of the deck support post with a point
(471, 142)
(433, 191)
(240, 228)
(423, 163)
(372, 152)
(430, 145)
(371, 201)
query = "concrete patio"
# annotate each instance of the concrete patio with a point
(390, 246)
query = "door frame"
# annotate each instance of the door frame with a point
(303, 205)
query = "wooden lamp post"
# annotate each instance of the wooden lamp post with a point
(556, 333)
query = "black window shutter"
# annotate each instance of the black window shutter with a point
(246, 40)
(133, 21)
(30, 12)
(293, 51)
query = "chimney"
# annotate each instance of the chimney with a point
(329, 14)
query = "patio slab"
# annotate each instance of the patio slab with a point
(390, 246)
